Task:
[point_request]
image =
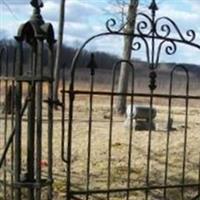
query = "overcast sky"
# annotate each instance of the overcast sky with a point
(85, 18)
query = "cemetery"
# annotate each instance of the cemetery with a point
(87, 132)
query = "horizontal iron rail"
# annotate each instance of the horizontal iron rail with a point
(26, 78)
(31, 78)
(2, 182)
(134, 189)
(7, 78)
(101, 93)
(43, 183)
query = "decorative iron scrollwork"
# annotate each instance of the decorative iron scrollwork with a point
(137, 44)
(144, 27)
(170, 48)
(112, 26)
(165, 30)
(154, 34)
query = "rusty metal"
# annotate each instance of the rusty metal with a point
(26, 165)
(153, 35)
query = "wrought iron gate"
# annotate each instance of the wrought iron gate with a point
(106, 162)
(103, 159)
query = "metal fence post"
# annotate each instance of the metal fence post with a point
(36, 33)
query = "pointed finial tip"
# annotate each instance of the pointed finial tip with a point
(153, 5)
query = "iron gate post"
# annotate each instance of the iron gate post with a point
(36, 33)
(17, 164)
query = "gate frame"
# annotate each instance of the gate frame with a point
(150, 28)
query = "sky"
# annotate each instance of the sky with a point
(85, 18)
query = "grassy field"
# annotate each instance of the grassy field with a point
(120, 144)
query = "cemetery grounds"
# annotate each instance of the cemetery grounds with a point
(120, 142)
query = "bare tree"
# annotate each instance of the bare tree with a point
(59, 49)
(124, 71)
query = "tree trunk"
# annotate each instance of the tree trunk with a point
(59, 50)
(124, 71)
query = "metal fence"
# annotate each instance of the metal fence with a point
(100, 158)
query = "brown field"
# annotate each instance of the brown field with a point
(120, 144)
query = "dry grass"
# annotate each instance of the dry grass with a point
(120, 143)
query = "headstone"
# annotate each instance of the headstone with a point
(143, 117)
(143, 125)
(140, 112)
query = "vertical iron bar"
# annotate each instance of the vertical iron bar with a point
(13, 103)
(168, 137)
(152, 87)
(0, 86)
(69, 143)
(1, 92)
(63, 119)
(39, 91)
(18, 119)
(1, 57)
(199, 176)
(89, 133)
(185, 132)
(130, 134)
(149, 146)
(6, 108)
(31, 127)
(4, 59)
(110, 131)
(50, 125)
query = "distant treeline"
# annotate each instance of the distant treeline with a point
(103, 60)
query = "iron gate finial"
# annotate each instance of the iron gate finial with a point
(36, 3)
(92, 65)
(153, 6)
(36, 16)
